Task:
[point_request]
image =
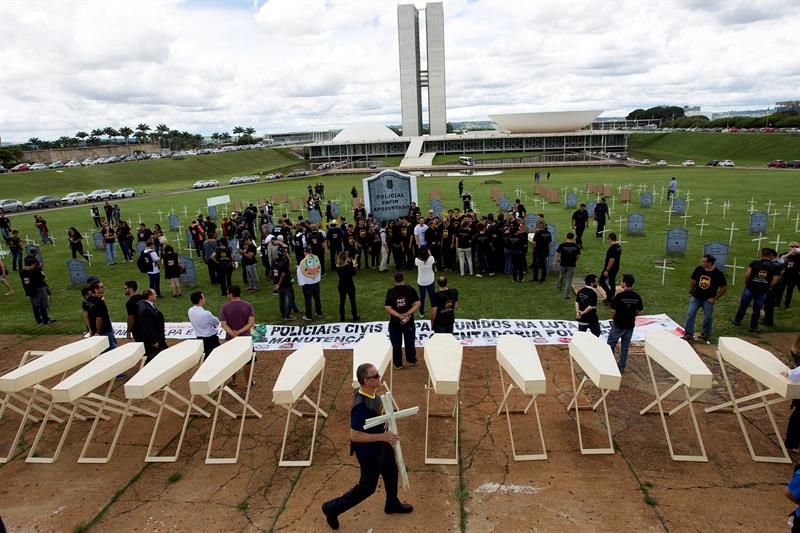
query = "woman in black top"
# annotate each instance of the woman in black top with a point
(346, 270)
(172, 269)
(223, 257)
(76, 243)
(158, 239)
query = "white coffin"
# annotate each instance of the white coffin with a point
(221, 364)
(56, 362)
(375, 349)
(297, 373)
(163, 368)
(99, 371)
(520, 360)
(759, 364)
(596, 359)
(679, 358)
(443, 356)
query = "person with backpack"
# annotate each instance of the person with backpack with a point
(148, 263)
(223, 257)
(172, 269)
(198, 238)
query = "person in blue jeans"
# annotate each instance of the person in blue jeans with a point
(625, 306)
(759, 278)
(401, 303)
(792, 492)
(708, 286)
(110, 238)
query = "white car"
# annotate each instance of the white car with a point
(661, 163)
(72, 164)
(88, 161)
(212, 183)
(124, 193)
(645, 161)
(38, 166)
(9, 206)
(74, 198)
(56, 164)
(199, 184)
(727, 163)
(99, 194)
(688, 163)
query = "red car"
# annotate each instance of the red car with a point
(22, 167)
(776, 164)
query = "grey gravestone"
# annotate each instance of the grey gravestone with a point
(571, 200)
(99, 241)
(389, 194)
(39, 257)
(188, 274)
(646, 199)
(635, 224)
(505, 204)
(437, 210)
(679, 206)
(590, 207)
(314, 217)
(233, 244)
(677, 241)
(720, 251)
(212, 212)
(77, 272)
(530, 221)
(174, 223)
(140, 246)
(335, 209)
(758, 222)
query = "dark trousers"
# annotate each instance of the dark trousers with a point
(579, 235)
(539, 265)
(345, 292)
(758, 301)
(609, 283)
(199, 247)
(209, 343)
(40, 314)
(788, 284)
(312, 291)
(769, 308)
(212, 272)
(443, 328)
(373, 465)
(793, 427)
(224, 278)
(601, 225)
(594, 327)
(286, 302)
(16, 259)
(125, 246)
(425, 290)
(518, 265)
(77, 249)
(152, 351)
(397, 257)
(155, 283)
(403, 333)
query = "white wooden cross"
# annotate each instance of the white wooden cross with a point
(390, 416)
(702, 225)
(88, 253)
(130, 223)
(734, 267)
(663, 266)
(797, 223)
(178, 239)
(732, 228)
(777, 242)
(769, 205)
(725, 206)
(620, 220)
(172, 210)
(759, 239)
(752, 205)
(613, 202)
(789, 207)
(661, 198)
(774, 216)
(28, 241)
(185, 211)
(708, 202)
(159, 216)
(627, 206)
(669, 213)
(685, 218)
(688, 197)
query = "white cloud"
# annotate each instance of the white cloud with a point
(295, 64)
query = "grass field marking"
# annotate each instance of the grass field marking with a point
(734, 267)
(663, 266)
(759, 239)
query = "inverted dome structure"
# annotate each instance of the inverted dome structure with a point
(365, 131)
(551, 122)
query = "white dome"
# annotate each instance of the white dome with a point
(365, 131)
(549, 122)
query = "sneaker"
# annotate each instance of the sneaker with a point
(332, 519)
(398, 367)
(478, 275)
(688, 337)
(736, 322)
(421, 314)
(412, 364)
(319, 315)
(307, 318)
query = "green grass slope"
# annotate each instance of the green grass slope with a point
(150, 176)
(744, 149)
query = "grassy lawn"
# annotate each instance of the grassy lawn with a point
(150, 176)
(487, 297)
(751, 149)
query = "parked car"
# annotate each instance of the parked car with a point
(3, 169)
(72, 164)
(11, 205)
(645, 162)
(98, 194)
(713, 163)
(793, 164)
(38, 166)
(688, 163)
(778, 163)
(212, 183)
(88, 161)
(199, 184)
(124, 193)
(661, 163)
(22, 167)
(43, 201)
(74, 198)
(56, 164)
(726, 163)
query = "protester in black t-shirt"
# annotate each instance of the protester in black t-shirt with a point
(708, 286)
(15, 247)
(443, 307)
(608, 279)
(99, 320)
(586, 306)
(132, 310)
(579, 220)
(401, 303)
(225, 265)
(346, 270)
(791, 275)
(282, 283)
(566, 259)
(624, 308)
(758, 279)
(250, 263)
(601, 214)
(541, 249)
(34, 282)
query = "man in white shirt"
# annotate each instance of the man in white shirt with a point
(154, 275)
(309, 274)
(419, 233)
(204, 323)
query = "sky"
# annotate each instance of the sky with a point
(293, 65)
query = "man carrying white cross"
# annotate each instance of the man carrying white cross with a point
(373, 448)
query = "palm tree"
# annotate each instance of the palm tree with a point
(225, 136)
(111, 132)
(250, 130)
(238, 130)
(34, 142)
(94, 137)
(81, 135)
(65, 141)
(161, 130)
(126, 132)
(215, 137)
